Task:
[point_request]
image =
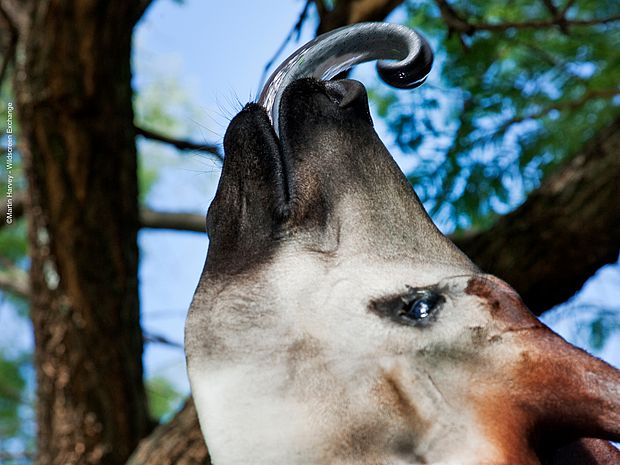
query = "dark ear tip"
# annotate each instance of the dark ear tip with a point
(410, 72)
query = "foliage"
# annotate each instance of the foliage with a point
(605, 323)
(163, 398)
(12, 383)
(16, 427)
(162, 103)
(504, 107)
(13, 244)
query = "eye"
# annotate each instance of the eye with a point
(416, 308)
(421, 306)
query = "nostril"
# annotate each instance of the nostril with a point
(346, 91)
(351, 95)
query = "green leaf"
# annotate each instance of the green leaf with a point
(163, 398)
(12, 385)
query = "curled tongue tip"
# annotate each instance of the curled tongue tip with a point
(409, 54)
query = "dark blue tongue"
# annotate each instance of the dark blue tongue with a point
(339, 50)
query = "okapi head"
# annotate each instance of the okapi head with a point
(334, 324)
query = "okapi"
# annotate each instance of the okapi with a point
(335, 324)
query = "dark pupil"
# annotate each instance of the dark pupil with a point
(422, 303)
(420, 309)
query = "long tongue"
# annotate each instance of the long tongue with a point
(339, 50)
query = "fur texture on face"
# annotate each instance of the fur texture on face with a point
(334, 324)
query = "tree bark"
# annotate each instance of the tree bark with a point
(74, 104)
(179, 442)
(565, 231)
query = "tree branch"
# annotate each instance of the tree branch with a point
(551, 7)
(10, 48)
(180, 144)
(149, 218)
(456, 22)
(15, 281)
(295, 31)
(159, 339)
(168, 220)
(543, 24)
(354, 11)
(453, 20)
(16, 13)
(321, 9)
(557, 15)
(12, 457)
(141, 7)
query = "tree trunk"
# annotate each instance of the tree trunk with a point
(74, 104)
(565, 231)
(354, 11)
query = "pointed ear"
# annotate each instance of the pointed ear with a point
(250, 197)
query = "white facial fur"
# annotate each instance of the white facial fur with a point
(291, 366)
